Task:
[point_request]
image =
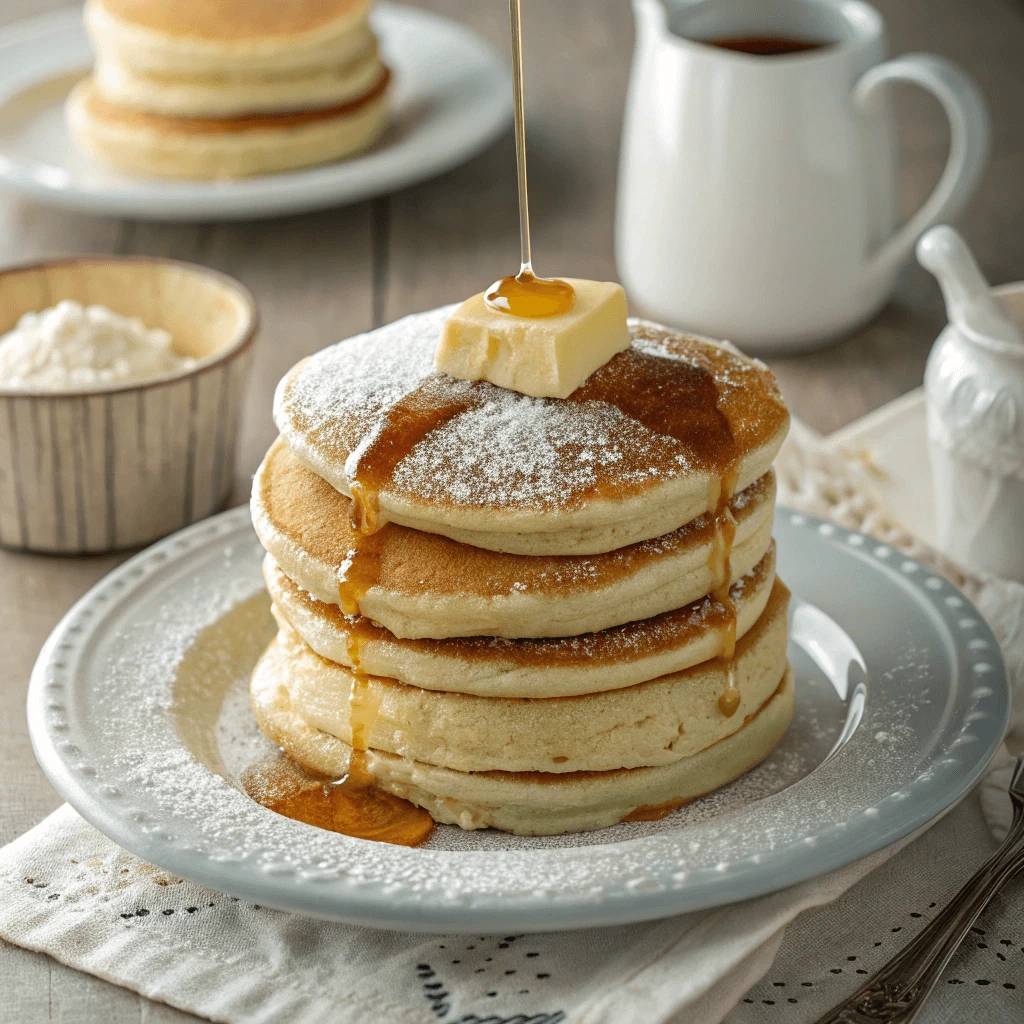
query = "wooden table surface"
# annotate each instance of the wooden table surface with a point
(327, 275)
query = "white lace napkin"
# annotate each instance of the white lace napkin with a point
(68, 891)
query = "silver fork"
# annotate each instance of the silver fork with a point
(896, 994)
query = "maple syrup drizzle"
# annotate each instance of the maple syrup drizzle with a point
(360, 571)
(668, 396)
(525, 295)
(360, 631)
(529, 296)
(431, 404)
(655, 812)
(680, 400)
(428, 406)
(353, 806)
(729, 698)
(363, 705)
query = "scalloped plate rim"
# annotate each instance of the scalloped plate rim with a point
(380, 904)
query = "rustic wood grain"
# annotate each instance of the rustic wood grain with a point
(324, 276)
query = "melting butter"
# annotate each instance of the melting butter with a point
(544, 357)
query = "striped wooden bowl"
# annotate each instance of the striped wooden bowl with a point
(91, 471)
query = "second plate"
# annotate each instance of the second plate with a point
(452, 97)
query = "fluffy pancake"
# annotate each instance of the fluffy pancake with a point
(430, 586)
(540, 476)
(232, 97)
(653, 723)
(531, 803)
(162, 146)
(228, 37)
(496, 667)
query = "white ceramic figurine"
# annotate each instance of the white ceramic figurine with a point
(975, 388)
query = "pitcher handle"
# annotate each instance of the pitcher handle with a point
(969, 135)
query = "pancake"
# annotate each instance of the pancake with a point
(532, 803)
(431, 586)
(541, 476)
(243, 38)
(653, 723)
(496, 667)
(224, 96)
(209, 148)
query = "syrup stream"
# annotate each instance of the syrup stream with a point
(516, 27)
(635, 382)
(525, 295)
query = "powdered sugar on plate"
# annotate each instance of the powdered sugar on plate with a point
(240, 744)
(128, 714)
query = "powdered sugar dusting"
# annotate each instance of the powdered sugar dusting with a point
(237, 737)
(196, 655)
(218, 644)
(618, 644)
(241, 744)
(536, 453)
(507, 450)
(127, 701)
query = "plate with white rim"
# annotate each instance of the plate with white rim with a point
(139, 715)
(451, 98)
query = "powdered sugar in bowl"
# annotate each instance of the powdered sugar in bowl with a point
(120, 390)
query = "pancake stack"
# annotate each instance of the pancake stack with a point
(539, 615)
(229, 88)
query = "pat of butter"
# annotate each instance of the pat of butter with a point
(546, 357)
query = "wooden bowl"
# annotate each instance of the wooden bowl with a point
(96, 470)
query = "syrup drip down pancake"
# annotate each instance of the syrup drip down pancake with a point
(541, 476)
(534, 614)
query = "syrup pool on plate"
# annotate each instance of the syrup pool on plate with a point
(353, 805)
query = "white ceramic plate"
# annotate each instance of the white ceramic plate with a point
(139, 715)
(452, 97)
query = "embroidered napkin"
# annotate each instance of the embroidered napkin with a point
(68, 891)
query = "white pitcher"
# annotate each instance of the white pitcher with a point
(758, 195)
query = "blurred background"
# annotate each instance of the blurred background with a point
(324, 276)
(327, 275)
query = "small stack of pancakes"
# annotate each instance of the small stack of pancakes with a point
(567, 615)
(229, 88)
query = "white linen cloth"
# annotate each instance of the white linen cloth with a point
(68, 891)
